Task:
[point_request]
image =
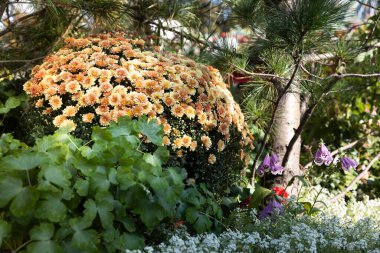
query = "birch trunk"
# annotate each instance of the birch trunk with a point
(288, 119)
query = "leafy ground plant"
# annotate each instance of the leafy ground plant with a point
(102, 196)
(340, 228)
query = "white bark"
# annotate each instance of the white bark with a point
(288, 119)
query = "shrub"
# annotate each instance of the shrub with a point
(65, 196)
(95, 80)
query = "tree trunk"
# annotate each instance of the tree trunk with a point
(288, 119)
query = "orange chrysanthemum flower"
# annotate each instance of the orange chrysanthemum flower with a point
(212, 159)
(206, 141)
(177, 111)
(58, 120)
(221, 145)
(39, 103)
(193, 145)
(55, 102)
(177, 143)
(186, 141)
(88, 117)
(70, 111)
(72, 87)
(166, 141)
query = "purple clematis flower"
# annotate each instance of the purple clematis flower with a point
(348, 163)
(270, 208)
(275, 166)
(323, 156)
(264, 166)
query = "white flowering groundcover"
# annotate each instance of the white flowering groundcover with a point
(340, 227)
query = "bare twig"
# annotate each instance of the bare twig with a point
(366, 4)
(271, 122)
(260, 74)
(357, 178)
(26, 61)
(372, 31)
(310, 74)
(340, 76)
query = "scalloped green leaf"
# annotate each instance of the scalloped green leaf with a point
(42, 232)
(58, 175)
(5, 229)
(24, 202)
(9, 188)
(23, 161)
(51, 209)
(200, 222)
(152, 131)
(44, 247)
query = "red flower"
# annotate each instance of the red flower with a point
(245, 202)
(280, 192)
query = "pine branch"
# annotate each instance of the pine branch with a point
(3, 6)
(271, 122)
(23, 18)
(357, 178)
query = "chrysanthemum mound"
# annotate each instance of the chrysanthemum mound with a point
(93, 81)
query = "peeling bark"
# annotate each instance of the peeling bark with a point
(288, 119)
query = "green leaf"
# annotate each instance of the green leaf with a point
(23, 161)
(42, 232)
(100, 134)
(82, 186)
(307, 206)
(52, 209)
(162, 154)
(44, 247)
(152, 160)
(133, 241)
(9, 188)
(128, 223)
(24, 202)
(200, 221)
(258, 195)
(99, 179)
(86, 240)
(193, 196)
(177, 175)
(58, 175)
(5, 230)
(11, 103)
(152, 131)
(121, 128)
(106, 216)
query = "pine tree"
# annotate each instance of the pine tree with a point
(290, 43)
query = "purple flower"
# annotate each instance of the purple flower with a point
(275, 166)
(272, 164)
(323, 156)
(264, 166)
(270, 209)
(348, 163)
